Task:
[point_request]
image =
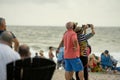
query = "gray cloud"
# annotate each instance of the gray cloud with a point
(93, 11)
(28, 1)
(58, 1)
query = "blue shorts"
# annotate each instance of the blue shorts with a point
(73, 65)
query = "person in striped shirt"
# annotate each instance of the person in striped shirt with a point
(83, 42)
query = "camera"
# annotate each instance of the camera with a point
(89, 25)
(83, 26)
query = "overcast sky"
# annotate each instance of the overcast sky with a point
(58, 12)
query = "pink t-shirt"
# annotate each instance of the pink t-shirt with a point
(68, 38)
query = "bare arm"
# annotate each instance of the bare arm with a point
(60, 45)
(16, 44)
(75, 44)
(84, 29)
(92, 29)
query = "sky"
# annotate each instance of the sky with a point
(58, 12)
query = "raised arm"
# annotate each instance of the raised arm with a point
(16, 44)
(92, 29)
(92, 33)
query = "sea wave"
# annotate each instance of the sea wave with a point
(43, 37)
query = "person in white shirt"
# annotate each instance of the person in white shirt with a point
(3, 28)
(7, 54)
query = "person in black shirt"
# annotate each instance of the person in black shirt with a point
(3, 28)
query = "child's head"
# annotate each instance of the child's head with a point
(50, 48)
(106, 51)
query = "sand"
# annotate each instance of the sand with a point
(59, 75)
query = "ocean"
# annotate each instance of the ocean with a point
(41, 37)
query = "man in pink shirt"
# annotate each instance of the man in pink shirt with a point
(72, 53)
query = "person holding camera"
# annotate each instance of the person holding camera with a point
(83, 42)
(3, 28)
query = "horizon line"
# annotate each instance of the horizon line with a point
(52, 26)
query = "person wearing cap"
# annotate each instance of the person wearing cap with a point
(3, 28)
(84, 46)
(74, 25)
(71, 53)
(7, 54)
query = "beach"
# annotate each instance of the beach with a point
(41, 37)
(59, 75)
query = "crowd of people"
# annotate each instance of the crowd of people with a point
(76, 50)
(73, 52)
(8, 42)
(104, 63)
(10, 50)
